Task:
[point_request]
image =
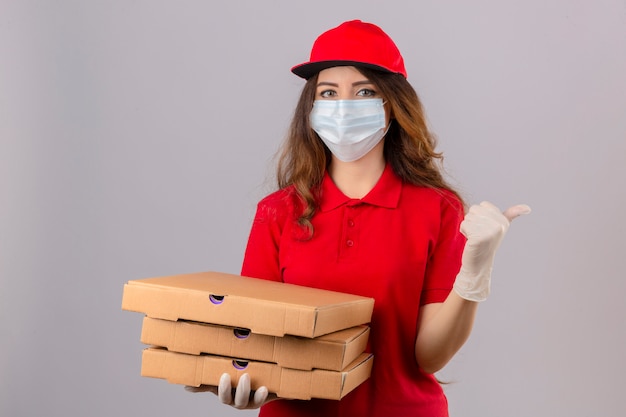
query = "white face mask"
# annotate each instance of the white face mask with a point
(350, 128)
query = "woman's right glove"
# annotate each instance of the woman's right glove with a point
(484, 227)
(242, 397)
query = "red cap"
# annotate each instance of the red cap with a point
(353, 43)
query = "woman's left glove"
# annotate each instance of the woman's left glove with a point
(484, 227)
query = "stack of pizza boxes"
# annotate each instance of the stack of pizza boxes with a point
(299, 342)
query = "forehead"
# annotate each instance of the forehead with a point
(340, 74)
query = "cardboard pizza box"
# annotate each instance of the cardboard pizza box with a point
(333, 351)
(264, 307)
(196, 370)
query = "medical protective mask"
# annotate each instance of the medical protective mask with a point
(350, 128)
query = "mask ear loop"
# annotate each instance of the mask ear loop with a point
(387, 129)
(390, 119)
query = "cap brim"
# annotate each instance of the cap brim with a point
(309, 69)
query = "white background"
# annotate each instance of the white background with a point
(137, 136)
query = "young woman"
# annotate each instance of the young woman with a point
(363, 208)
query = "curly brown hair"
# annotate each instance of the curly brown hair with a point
(409, 144)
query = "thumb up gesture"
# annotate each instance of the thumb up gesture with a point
(484, 227)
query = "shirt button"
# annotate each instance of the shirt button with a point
(351, 223)
(349, 243)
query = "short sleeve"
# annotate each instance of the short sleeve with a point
(261, 259)
(444, 262)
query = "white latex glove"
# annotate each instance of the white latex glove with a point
(484, 227)
(242, 398)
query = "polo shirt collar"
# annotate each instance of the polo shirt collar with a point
(386, 192)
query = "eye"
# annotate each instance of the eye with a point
(327, 93)
(366, 92)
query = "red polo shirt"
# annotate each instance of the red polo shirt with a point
(400, 245)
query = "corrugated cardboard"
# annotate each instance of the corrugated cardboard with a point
(333, 351)
(264, 307)
(192, 370)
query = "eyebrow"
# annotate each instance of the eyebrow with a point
(354, 84)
